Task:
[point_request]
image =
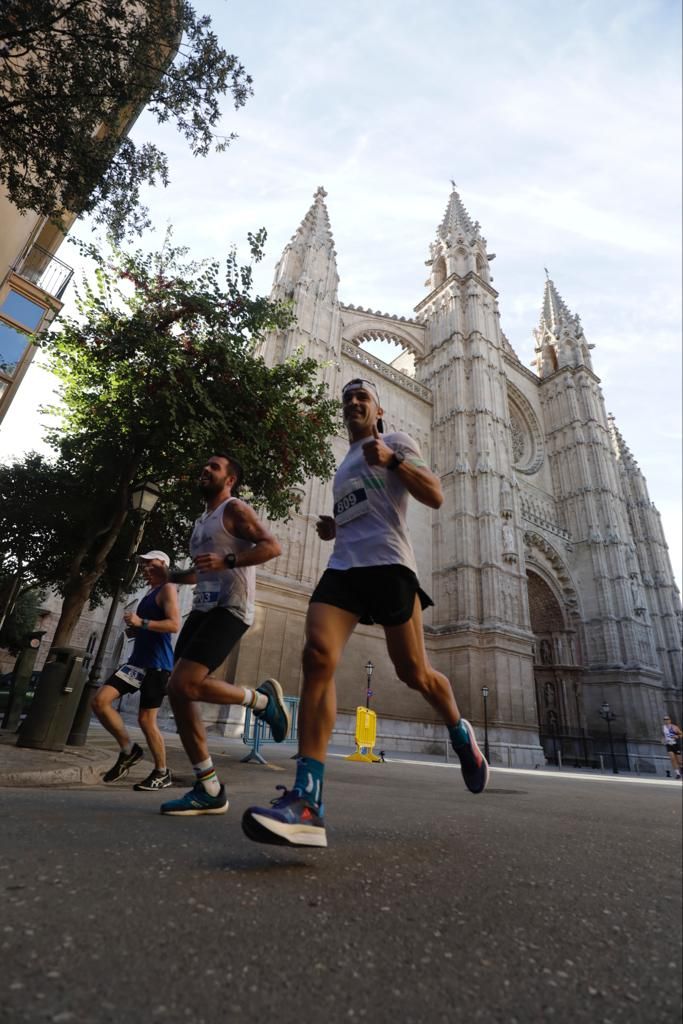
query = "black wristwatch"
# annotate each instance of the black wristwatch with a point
(396, 460)
(230, 560)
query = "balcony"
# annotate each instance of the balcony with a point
(44, 270)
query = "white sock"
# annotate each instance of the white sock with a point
(255, 701)
(128, 749)
(206, 774)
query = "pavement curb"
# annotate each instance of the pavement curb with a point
(87, 775)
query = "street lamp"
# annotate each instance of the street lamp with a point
(485, 695)
(142, 499)
(369, 669)
(608, 715)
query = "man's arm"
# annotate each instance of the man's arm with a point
(168, 602)
(183, 576)
(420, 482)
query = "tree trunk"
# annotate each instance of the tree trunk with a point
(73, 604)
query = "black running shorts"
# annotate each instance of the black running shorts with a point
(152, 689)
(381, 594)
(208, 637)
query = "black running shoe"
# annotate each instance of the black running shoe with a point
(155, 780)
(124, 763)
(275, 712)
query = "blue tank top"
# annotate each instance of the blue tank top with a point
(152, 650)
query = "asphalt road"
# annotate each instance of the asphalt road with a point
(545, 899)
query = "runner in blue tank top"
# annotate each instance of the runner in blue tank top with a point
(155, 620)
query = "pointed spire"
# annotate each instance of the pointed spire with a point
(555, 312)
(560, 340)
(309, 257)
(456, 220)
(621, 449)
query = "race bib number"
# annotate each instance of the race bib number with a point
(351, 503)
(206, 596)
(131, 674)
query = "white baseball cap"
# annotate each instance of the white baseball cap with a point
(160, 556)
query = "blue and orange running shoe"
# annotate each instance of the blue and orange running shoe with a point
(475, 770)
(290, 821)
(197, 801)
(275, 713)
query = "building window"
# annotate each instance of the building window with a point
(20, 317)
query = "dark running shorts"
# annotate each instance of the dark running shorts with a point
(674, 748)
(208, 637)
(152, 689)
(381, 594)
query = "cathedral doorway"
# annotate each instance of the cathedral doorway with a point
(556, 674)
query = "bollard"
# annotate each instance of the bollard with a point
(446, 746)
(559, 760)
(602, 763)
(50, 717)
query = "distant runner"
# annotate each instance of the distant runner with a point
(371, 577)
(227, 542)
(147, 670)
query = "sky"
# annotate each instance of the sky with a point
(560, 124)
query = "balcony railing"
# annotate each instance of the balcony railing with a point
(46, 271)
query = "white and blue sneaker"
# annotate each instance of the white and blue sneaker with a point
(475, 769)
(291, 820)
(275, 713)
(197, 801)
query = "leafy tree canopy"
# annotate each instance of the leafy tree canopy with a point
(22, 620)
(74, 74)
(159, 370)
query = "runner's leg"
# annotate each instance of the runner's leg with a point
(147, 720)
(102, 706)
(327, 632)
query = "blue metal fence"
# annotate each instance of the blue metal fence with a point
(257, 733)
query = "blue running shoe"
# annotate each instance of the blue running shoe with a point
(290, 821)
(475, 770)
(275, 713)
(197, 801)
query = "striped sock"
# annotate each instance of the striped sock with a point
(206, 774)
(255, 701)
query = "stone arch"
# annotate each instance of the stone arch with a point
(438, 272)
(361, 325)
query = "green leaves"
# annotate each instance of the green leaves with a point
(73, 77)
(158, 372)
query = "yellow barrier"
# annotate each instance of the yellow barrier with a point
(366, 736)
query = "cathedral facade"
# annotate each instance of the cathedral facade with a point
(554, 596)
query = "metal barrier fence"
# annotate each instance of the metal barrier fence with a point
(257, 732)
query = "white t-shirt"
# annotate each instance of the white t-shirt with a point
(370, 505)
(233, 589)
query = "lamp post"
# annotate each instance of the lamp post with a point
(142, 500)
(369, 669)
(608, 715)
(485, 695)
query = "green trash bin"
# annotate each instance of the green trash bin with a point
(52, 712)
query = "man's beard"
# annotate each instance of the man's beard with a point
(209, 489)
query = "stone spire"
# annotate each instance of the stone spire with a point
(309, 258)
(459, 248)
(621, 450)
(457, 221)
(560, 340)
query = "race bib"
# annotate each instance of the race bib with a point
(131, 674)
(206, 595)
(351, 502)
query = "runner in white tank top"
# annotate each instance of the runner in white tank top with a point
(228, 542)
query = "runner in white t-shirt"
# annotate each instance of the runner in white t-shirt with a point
(371, 578)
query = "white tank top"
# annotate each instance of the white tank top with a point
(233, 589)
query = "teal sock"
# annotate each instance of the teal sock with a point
(309, 779)
(459, 734)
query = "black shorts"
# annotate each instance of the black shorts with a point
(674, 748)
(152, 689)
(208, 637)
(382, 594)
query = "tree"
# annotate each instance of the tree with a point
(21, 621)
(74, 74)
(158, 371)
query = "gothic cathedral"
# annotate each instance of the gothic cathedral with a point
(547, 563)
